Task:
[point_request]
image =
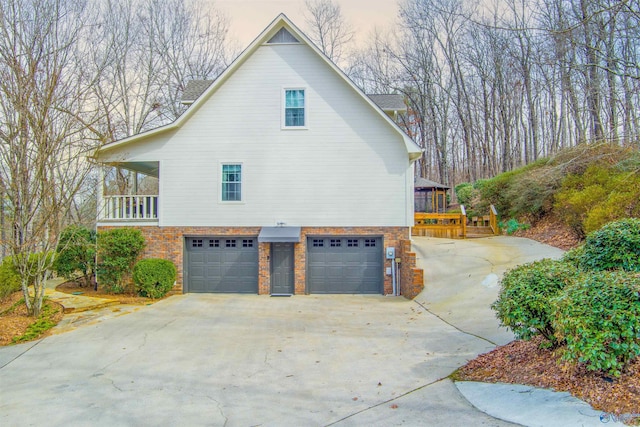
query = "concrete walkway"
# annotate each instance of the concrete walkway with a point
(82, 310)
(74, 303)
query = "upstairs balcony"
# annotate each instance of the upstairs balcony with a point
(129, 192)
(129, 208)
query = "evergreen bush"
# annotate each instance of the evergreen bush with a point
(76, 252)
(9, 278)
(598, 316)
(599, 195)
(464, 193)
(154, 277)
(523, 303)
(616, 246)
(118, 250)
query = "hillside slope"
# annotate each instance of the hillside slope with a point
(560, 199)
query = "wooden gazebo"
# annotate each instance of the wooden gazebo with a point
(429, 196)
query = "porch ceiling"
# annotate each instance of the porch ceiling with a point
(147, 168)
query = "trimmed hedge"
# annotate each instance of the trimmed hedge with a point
(154, 277)
(599, 318)
(523, 303)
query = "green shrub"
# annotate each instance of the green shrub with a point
(523, 303)
(601, 194)
(464, 193)
(494, 192)
(43, 324)
(599, 318)
(9, 278)
(531, 192)
(616, 246)
(118, 250)
(574, 256)
(76, 252)
(154, 277)
(512, 225)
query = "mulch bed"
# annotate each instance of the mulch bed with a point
(523, 362)
(126, 298)
(551, 231)
(16, 322)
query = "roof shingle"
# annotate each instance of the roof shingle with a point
(194, 89)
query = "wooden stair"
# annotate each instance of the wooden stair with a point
(474, 232)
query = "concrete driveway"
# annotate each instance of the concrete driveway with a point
(239, 360)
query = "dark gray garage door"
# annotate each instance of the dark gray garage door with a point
(222, 264)
(344, 265)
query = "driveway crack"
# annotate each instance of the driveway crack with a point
(113, 383)
(387, 401)
(454, 326)
(226, 419)
(26, 350)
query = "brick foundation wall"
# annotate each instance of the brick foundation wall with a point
(168, 243)
(411, 278)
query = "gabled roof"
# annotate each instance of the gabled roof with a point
(427, 183)
(281, 21)
(389, 101)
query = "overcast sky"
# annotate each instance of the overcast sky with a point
(249, 17)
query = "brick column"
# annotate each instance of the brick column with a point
(411, 278)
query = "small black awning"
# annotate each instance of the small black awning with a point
(279, 234)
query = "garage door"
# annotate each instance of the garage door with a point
(344, 265)
(222, 264)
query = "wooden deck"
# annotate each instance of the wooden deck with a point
(455, 225)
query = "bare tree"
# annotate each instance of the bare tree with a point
(146, 52)
(526, 79)
(191, 43)
(43, 100)
(327, 28)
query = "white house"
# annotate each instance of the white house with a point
(282, 177)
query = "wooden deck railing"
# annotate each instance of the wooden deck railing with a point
(129, 208)
(493, 220)
(454, 225)
(450, 225)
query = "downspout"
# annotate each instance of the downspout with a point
(393, 276)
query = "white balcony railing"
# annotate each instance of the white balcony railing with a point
(129, 208)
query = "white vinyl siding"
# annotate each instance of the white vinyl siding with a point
(349, 169)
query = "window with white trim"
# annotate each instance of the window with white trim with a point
(231, 183)
(294, 108)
